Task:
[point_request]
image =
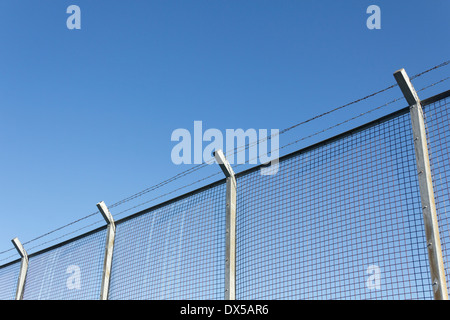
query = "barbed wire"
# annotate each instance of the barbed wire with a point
(443, 64)
(348, 120)
(235, 151)
(242, 148)
(237, 165)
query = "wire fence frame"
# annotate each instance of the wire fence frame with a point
(243, 173)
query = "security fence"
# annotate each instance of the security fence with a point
(342, 219)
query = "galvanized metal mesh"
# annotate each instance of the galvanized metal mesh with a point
(9, 276)
(340, 220)
(72, 271)
(175, 251)
(437, 120)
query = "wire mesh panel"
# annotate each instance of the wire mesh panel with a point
(176, 251)
(437, 119)
(9, 275)
(341, 220)
(72, 271)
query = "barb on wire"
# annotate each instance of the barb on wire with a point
(443, 64)
(8, 258)
(168, 193)
(64, 235)
(60, 228)
(6, 251)
(433, 84)
(159, 185)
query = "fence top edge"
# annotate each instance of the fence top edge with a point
(10, 263)
(170, 201)
(65, 242)
(435, 98)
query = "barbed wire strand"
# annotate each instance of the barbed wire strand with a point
(348, 120)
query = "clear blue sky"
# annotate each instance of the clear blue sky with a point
(86, 115)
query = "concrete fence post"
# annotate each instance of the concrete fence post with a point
(109, 247)
(230, 217)
(436, 263)
(23, 268)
